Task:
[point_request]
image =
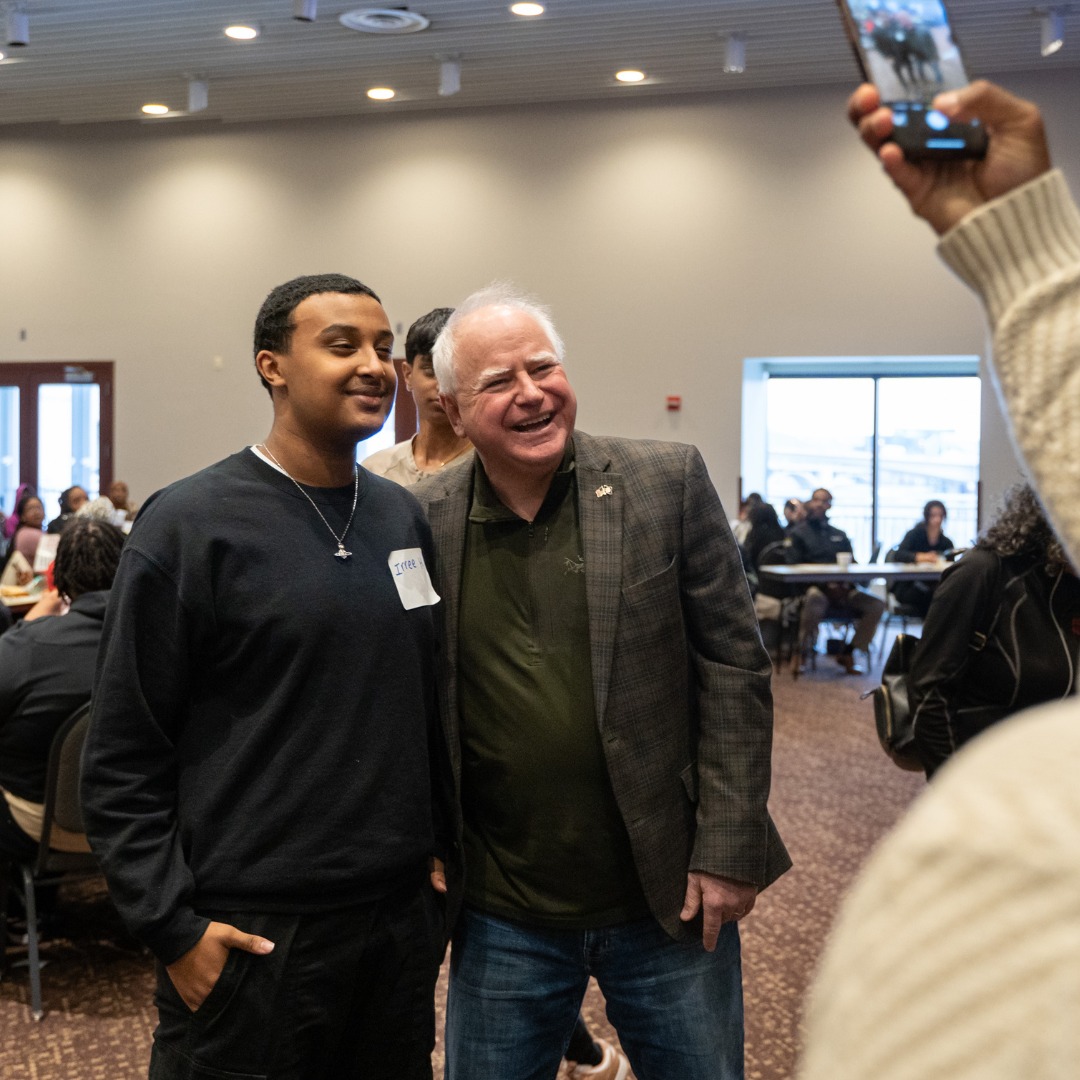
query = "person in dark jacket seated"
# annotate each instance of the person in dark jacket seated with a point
(794, 514)
(767, 539)
(816, 541)
(46, 671)
(925, 543)
(71, 499)
(1002, 633)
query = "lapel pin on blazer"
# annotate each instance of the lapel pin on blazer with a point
(602, 490)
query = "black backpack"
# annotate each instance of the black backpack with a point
(893, 716)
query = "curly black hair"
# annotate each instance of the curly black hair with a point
(1021, 528)
(274, 325)
(86, 557)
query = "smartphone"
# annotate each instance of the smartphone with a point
(906, 48)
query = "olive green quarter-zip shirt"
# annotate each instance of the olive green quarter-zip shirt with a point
(544, 840)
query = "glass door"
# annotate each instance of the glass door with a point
(56, 429)
(9, 446)
(69, 440)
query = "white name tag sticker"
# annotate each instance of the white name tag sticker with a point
(411, 578)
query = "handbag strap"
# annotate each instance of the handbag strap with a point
(989, 610)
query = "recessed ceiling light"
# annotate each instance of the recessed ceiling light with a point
(241, 33)
(380, 93)
(527, 10)
(630, 75)
(156, 110)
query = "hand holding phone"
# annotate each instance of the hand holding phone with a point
(944, 192)
(907, 50)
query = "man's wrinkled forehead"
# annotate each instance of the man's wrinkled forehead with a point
(500, 371)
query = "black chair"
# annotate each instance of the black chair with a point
(789, 596)
(896, 610)
(49, 867)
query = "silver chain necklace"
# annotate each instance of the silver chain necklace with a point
(341, 553)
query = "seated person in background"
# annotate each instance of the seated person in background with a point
(11, 522)
(436, 443)
(120, 497)
(70, 500)
(794, 513)
(925, 543)
(740, 527)
(31, 514)
(767, 538)
(102, 508)
(765, 529)
(1002, 633)
(816, 541)
(46, 671)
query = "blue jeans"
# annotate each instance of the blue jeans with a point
(515, 992)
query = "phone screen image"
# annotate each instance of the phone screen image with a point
(909, 48)
(906, 49)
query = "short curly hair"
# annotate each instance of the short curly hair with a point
(86, 557)
(1021, 528)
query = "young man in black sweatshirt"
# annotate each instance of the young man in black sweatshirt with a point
(259, 771)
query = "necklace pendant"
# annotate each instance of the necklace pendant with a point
(341, 553)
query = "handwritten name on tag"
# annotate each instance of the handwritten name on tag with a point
(411, 577)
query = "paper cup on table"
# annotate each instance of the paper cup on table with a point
(844, 558)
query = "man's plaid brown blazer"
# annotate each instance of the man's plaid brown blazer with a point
(681, 680)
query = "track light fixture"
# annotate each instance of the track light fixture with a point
(1053, 31)
(198, 95)
(449, 75)
(18, 27)
(735, 55)
(304, 10)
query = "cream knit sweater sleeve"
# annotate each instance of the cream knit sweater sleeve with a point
(1021, 253)
(957, 953)
(956, 956)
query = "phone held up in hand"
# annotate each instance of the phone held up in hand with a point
(907, 50)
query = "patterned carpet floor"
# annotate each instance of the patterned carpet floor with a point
(834, 795)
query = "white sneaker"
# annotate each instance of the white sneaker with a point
(613, 1065)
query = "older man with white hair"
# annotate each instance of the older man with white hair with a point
(609, 718)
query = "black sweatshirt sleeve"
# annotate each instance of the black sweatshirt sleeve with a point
(130, 766)
(15, 659)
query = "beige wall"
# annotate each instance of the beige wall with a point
(673, 239)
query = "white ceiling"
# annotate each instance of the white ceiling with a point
(92, 61)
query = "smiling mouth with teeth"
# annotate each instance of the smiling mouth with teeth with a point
(534, 425)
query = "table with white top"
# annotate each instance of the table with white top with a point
(855, 573)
